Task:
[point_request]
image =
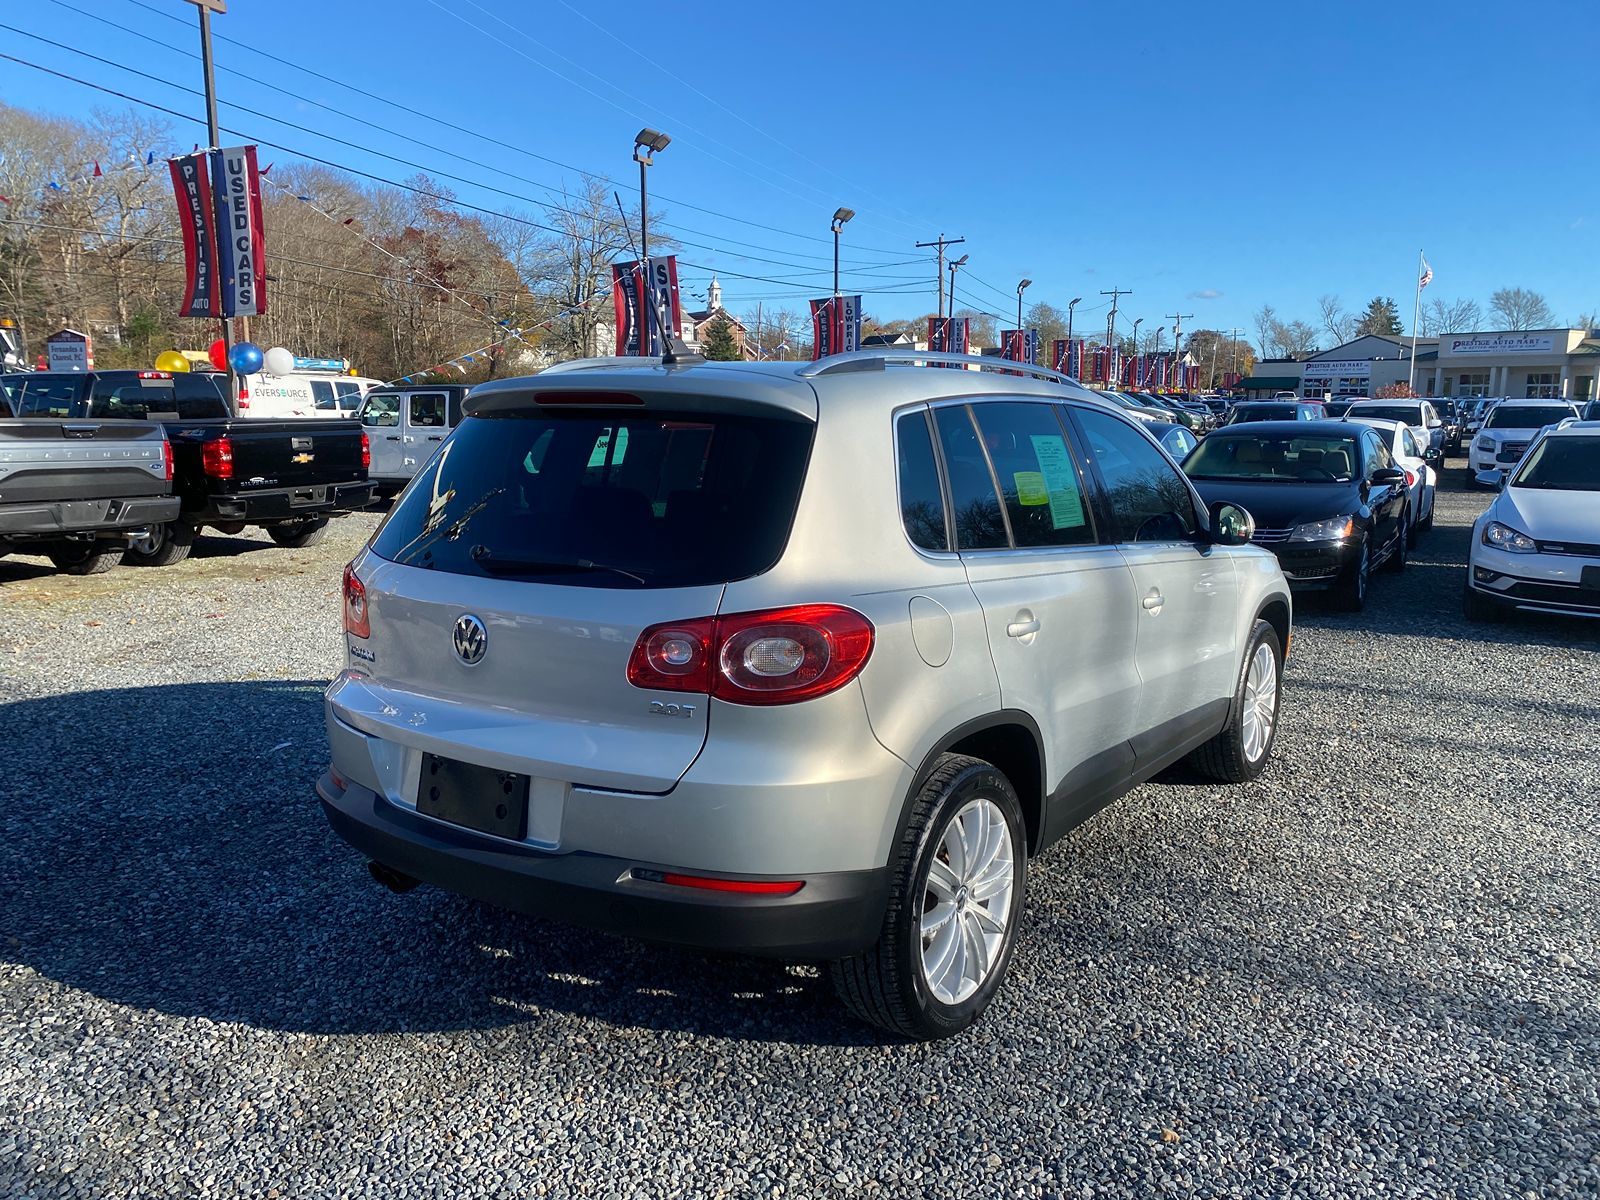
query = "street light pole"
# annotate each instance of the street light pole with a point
(645, 145)
(1138, 321)
(1076, 300)
(1021, 287)
(840, 217)
(213, 137)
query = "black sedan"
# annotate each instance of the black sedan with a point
(1326, 496)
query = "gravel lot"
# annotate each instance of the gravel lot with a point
(1372, 973)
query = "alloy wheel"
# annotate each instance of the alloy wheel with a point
(1260, 702)
(965, 911)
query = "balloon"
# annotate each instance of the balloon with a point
(172, 362)
(278, 361)
(245, 358)
(218, 354)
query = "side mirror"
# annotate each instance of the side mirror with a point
(1231, 525)
(1388, 476)
(1433, 456)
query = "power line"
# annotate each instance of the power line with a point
(368, 95)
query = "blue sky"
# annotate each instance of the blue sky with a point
(1210, 160)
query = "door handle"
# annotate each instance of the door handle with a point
(1023, 628)
(435, 437)
(1154, 601)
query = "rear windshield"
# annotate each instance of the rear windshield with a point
(1406, 414)
(1264, 412)
(1510, 416)
(189, 397)
(604, 499)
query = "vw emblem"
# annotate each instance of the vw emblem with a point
(471, 639)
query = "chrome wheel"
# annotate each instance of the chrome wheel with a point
(1260, 702)
(965, 910)
(150, 541)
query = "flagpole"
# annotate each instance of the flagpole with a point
(1416, 313)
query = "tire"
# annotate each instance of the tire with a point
(1479, 609)
(1426, 525)
(85, 558)
(893, 984)
(297, 535)
(1240, 752)
(1404, 540)
(1350, 593)
(171, 544)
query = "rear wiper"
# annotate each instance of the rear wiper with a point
(501, 565)
(449, 532)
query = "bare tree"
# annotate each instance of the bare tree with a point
(1295, 339)
(1266, 320)
(1450, 316)
(1520, 308)
(1339, 324)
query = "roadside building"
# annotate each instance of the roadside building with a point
(700, 322)
(1534, 364)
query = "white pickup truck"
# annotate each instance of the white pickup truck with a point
(81, 492)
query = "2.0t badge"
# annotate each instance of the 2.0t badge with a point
(471, 639)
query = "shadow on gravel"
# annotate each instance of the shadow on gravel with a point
(163, 849)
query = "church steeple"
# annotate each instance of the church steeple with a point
(714, 295)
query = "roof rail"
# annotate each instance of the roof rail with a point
(878, 360)
(601, 363)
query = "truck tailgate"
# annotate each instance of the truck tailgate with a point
(43, 459)
(293, 454)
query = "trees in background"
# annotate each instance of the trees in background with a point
(1520, 308)
(1382, 317)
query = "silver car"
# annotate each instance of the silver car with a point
(794, 660)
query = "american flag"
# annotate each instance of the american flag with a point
(1427, 275)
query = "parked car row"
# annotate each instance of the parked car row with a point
(101, 467)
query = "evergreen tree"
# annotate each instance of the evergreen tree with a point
(1382, 317)
(719, 344)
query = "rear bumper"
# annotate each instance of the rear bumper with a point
(287, 503)
(59, 517)
(832, 915)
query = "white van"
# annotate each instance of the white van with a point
(405, 426)
(304, 394)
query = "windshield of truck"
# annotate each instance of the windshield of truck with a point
(604, 499)
(135, 398)
(1512, 416)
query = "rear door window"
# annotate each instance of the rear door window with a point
(181, 397)
(1039, 480)
(425, 410)
(322, 394)
(979, 522)
(645, 499)
(921, 498)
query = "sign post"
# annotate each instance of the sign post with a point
(205, 8)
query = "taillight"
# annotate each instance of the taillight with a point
(166, 457)
(355, 605)
(366, 450)
(216, 458)
(775, 656)
(1411, 477)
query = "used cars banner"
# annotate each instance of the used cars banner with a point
(241, 244)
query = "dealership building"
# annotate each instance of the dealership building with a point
(1534, 364)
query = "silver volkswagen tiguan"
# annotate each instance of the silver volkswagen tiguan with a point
(795, 660)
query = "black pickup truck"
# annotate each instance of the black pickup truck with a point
(286, 476)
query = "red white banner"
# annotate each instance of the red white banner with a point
(642, 300)
(191, 184)
(835, 325)
(241, 238)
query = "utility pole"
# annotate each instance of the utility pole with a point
(1233, 335)
(1177, 344)
(1111, 321)
(938, 275)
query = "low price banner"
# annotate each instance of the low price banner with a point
(191, 184)
(641, 299)
(835, 325)
(241, 240)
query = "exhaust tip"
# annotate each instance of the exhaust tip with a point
(396, 881)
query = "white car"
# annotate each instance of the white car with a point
(1425, 422)
(1506, 435)
(1537, 547)
(1422, 479)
